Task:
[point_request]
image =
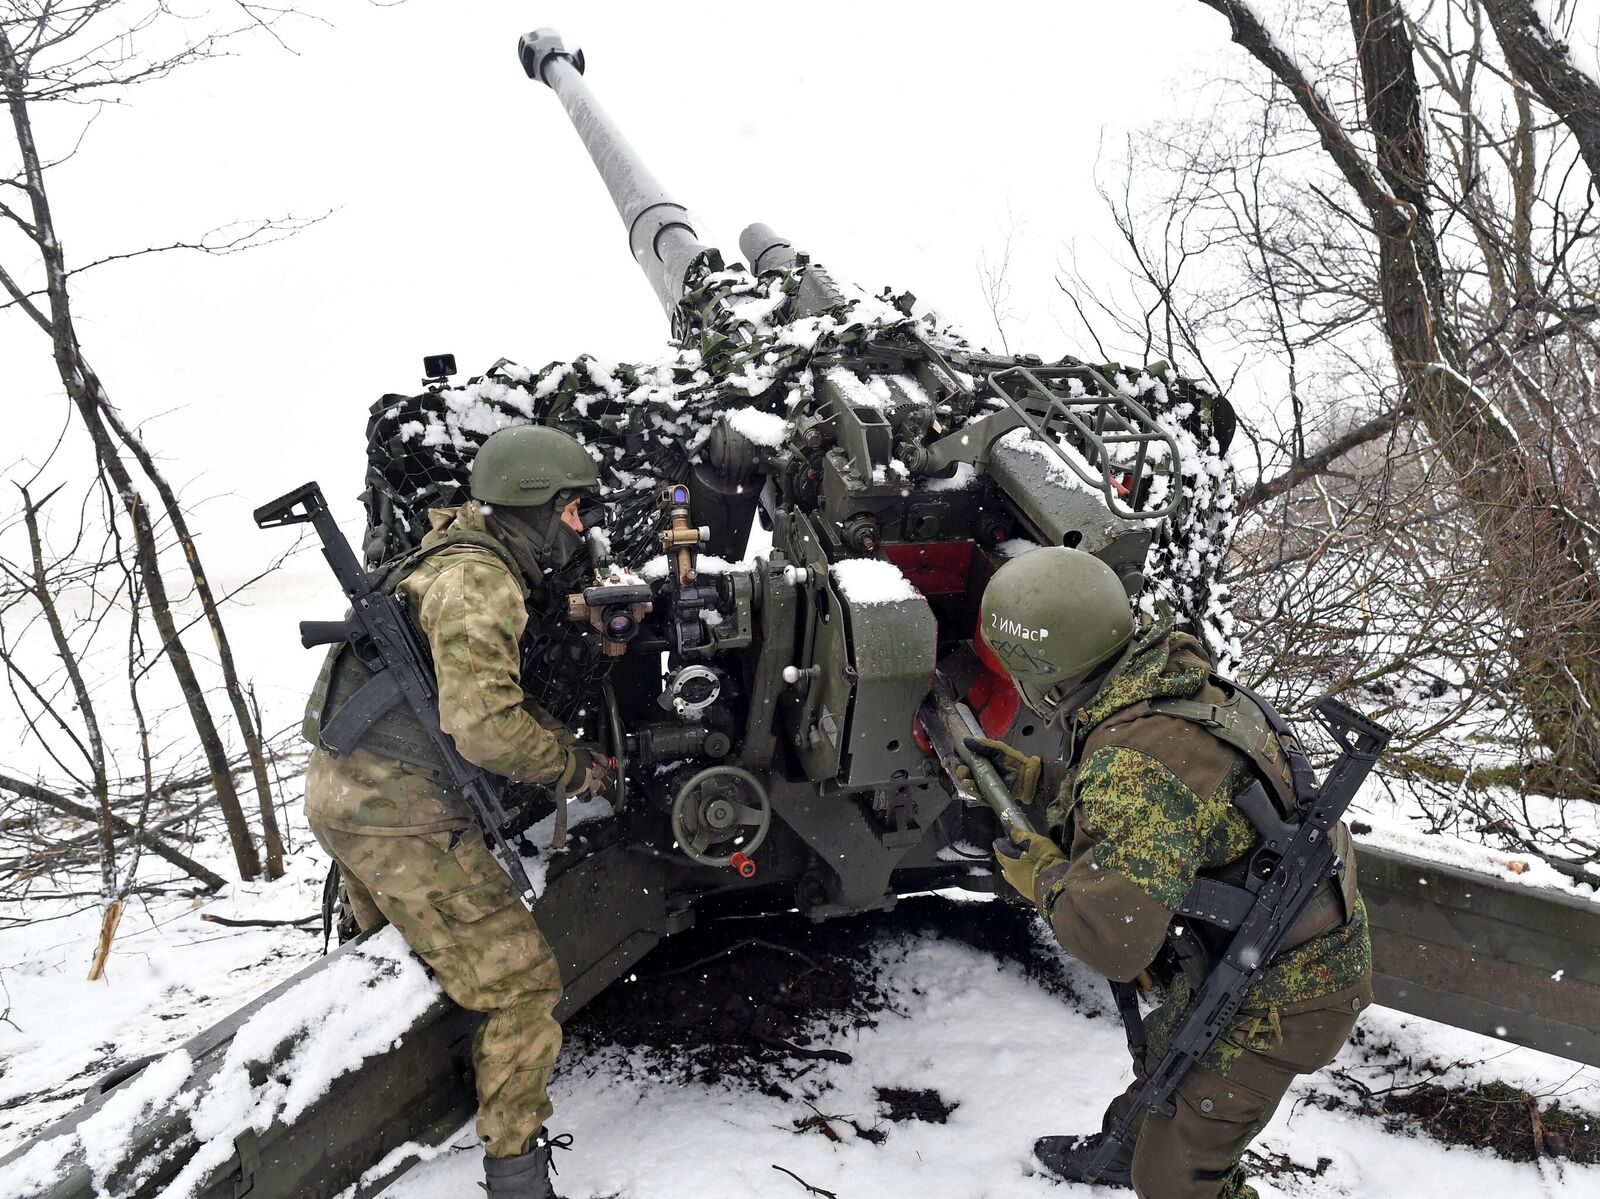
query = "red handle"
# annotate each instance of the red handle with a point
(742, 864)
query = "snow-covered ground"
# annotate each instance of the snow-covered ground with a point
(1017, 1064)
(171, 974)
(1015, 1059)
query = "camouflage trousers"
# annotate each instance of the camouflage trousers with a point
(458, 912)
(1194, 1153)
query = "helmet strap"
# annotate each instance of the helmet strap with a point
(537, 537)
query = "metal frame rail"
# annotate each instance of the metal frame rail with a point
(1452, 945)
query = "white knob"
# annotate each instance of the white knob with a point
(791, 675)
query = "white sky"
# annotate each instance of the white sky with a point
(897, 143)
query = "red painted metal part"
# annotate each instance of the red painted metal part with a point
(933, 567)
(943, 568)
(993, 698)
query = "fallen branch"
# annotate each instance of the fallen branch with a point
(773, 1041)
(230, 923)
(155, 845)
(820, 1122)
(810, 1190)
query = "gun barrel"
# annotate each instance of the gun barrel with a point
(660, 232)
(765, 250)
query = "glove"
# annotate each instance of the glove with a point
(587, 774)
(1021, 771)
(1023, 857)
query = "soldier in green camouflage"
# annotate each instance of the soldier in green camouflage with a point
(407, 847)
(1144, 806)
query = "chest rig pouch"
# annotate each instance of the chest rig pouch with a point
(1273, 802)
(353, 706)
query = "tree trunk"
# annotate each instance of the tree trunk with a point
(244, 848)
(1541, 558)
(248, 728)
(1540, 60)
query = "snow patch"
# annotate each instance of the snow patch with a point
(761, 428)
(872, 581)
(40, 1168)
(356, 1008)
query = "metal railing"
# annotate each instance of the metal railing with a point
(1093, 423)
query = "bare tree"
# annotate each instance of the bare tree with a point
(88, 53)
(1446, 269)
(1539, 56)
(994, 281)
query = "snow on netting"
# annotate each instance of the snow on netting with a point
(744, 354)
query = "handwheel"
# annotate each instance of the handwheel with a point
(716, 806)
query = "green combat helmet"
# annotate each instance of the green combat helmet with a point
(526, 466)
(525, 476)
(1051, 617)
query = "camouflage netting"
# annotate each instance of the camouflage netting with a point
(740, 347)
(1185, 561)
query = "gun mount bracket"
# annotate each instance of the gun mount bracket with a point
(1106, 440)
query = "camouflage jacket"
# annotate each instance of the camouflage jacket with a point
(1146, 806)
(471, 609)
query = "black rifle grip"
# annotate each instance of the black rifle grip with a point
(326, 632)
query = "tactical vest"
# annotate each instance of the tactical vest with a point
(1238, 720)
(396, 733)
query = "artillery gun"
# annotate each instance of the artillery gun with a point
(761, 687)
(763, 708)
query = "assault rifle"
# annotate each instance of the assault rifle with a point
(1282, 888)
(382, 635)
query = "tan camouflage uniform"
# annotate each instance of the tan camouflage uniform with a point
(1146, 806)
(410, 853)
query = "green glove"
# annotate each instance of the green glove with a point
(1021, 770)
(1023, 857)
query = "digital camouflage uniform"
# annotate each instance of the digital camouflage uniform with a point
(411, 854)
(1146, 806)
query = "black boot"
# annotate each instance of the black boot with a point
(1068, 1159)
(526, 1176)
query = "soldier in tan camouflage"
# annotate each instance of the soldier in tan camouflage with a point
(1144, 807)
(407, 847)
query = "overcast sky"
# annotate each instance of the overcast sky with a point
(896, 142)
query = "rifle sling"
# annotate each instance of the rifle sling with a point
(373, 700)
